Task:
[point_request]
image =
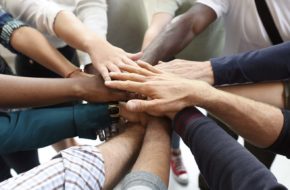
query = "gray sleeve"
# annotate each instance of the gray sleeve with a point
(142, 181)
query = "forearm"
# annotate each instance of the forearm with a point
(26, 92)
(261, 123)
(159, 21)
(172, 39)
(256, 66)
(76, 34)
(31, 43)
(179, 33)
(125, 147)
(155, 150)
(269, 93)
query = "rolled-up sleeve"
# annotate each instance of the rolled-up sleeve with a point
(40, 14)
(7, 26)
(160, 6)
(282, 144)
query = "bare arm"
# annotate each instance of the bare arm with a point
(259, 123)
(32, 43)
(269, 93)
(105, 57)
(159, 21)
(125, 147)
(26, 92)
(179, 33)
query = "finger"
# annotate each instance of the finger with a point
(161, 65)
(135, 56)
(127, 114)
(152, 107)
(129, 62)
(113, 68)
(128, 76)
(137, 70)
(104, 73)
(147, 66)
(126, 86)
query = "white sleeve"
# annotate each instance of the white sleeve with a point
(220, 7)
(161, 6)
(37, 13)
(93, 13)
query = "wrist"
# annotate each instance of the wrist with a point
(74, 73)
(92, 43)
(78, 89)
(208, 73)
(200, 94)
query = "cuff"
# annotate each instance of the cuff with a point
(90, 117)
(7, 31)
(219, 8)
(184, 118)
(50, 10)
(227, 71)
(282, 144)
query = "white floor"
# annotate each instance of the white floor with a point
(280, 168)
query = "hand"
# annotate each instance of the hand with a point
(192, 70)
(92, 89)
(167, 93)
(107, 58)
(132, 117)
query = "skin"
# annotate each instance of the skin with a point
(32, 43)
(125, 147)
(105, 57)
(158, 23)
(30, 92)
(154, 155)
(180, 31)
(270, 93)
(168, 94)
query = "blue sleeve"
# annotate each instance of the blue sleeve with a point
(267, 64)
(222, 161)
(282, 144)
(7, 26)
(36, 128)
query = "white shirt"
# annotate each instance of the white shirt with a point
(41, 14)
(243, 27)
(166, 6)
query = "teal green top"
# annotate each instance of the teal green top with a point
(36, 128)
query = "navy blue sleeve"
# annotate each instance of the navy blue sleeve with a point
(222, 161)
(282, 144)
(267, 64)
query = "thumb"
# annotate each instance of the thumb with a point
(137, 105)
(152, 107)
(135, 56)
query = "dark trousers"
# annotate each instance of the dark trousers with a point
(18, 161)
(223, 162)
